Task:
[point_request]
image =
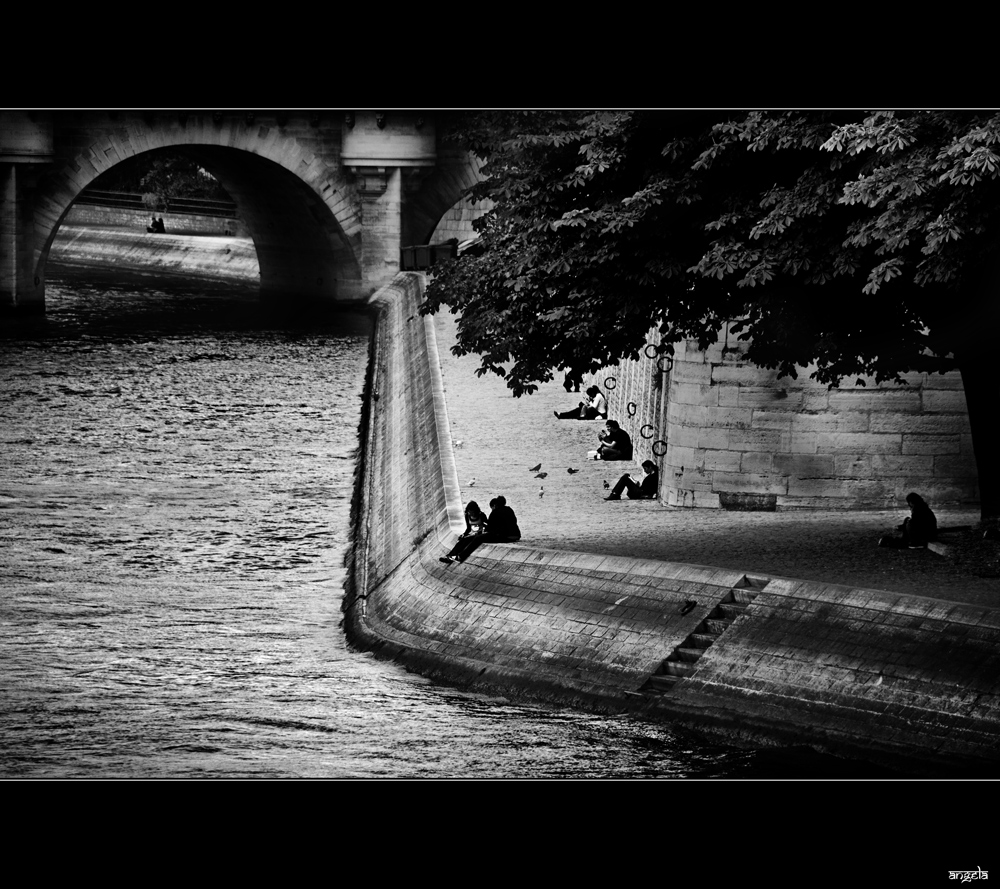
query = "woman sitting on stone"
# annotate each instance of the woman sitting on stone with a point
(594, 409)
(918, 529)
(475, 528)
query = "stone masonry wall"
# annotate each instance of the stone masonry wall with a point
(175, 223)
(635, 391)
(740, 438)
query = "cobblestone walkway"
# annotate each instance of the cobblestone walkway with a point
(498, 439)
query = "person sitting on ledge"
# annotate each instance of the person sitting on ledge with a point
(919, 528)
(644, 490)
(475, 528)
(615, 443)
(500, 527)
(595, 408)
(502, 522)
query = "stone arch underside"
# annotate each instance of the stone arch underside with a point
(456, 171)
(300, 213)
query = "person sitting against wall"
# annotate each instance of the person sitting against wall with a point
(593, 409)
(615, 443)
(152, 225)
(644, 490)
(918, 529)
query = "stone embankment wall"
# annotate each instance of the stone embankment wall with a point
(214, 256)
(175, 223)
(868, 673)
(738, 437)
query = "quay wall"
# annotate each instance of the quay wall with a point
(175, 223)
(210, 256)
(735, 436)
(865, 673)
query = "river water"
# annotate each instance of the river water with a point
(177, 468)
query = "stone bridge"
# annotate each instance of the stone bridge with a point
(328, 197)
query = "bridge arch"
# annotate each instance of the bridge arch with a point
(441, 191)
(299, 208)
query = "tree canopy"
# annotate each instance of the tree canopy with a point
(862, 243)
(863, 229)
(163, 177)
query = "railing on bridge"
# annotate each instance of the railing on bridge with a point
(129, 201)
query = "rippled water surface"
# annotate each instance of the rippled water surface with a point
(176, 479)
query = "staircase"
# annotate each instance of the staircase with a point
(682, 660)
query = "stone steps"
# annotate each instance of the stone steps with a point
(681, 662)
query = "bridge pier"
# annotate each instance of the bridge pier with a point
(25, 143)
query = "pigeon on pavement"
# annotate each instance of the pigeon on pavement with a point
(535, 468)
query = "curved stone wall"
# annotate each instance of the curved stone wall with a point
(858, 671)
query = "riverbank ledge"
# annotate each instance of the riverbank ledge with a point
(905, 681)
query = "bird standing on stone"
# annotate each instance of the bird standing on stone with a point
(459, 443)
(571, 470)
(541, 475)
(541, 491)
(606, 485)
(535, 468)
(472, 482)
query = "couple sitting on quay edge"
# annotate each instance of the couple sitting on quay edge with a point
(500, 527)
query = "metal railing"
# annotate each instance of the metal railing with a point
(130, 201)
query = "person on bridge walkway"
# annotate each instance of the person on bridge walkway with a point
(918, 529)
(644, 490)
(593, 409)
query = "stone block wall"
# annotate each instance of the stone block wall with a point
(635, 392)
(457, 222)
(175, 223)
(738, 437)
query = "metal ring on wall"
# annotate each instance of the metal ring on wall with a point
(610, 382)
(659, 363)
(655, 351)
(652, 431)
(631, 408)
(657, 449)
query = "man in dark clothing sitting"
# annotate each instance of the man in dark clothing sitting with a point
(615, 443)
(502, 525)
(644, 490)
